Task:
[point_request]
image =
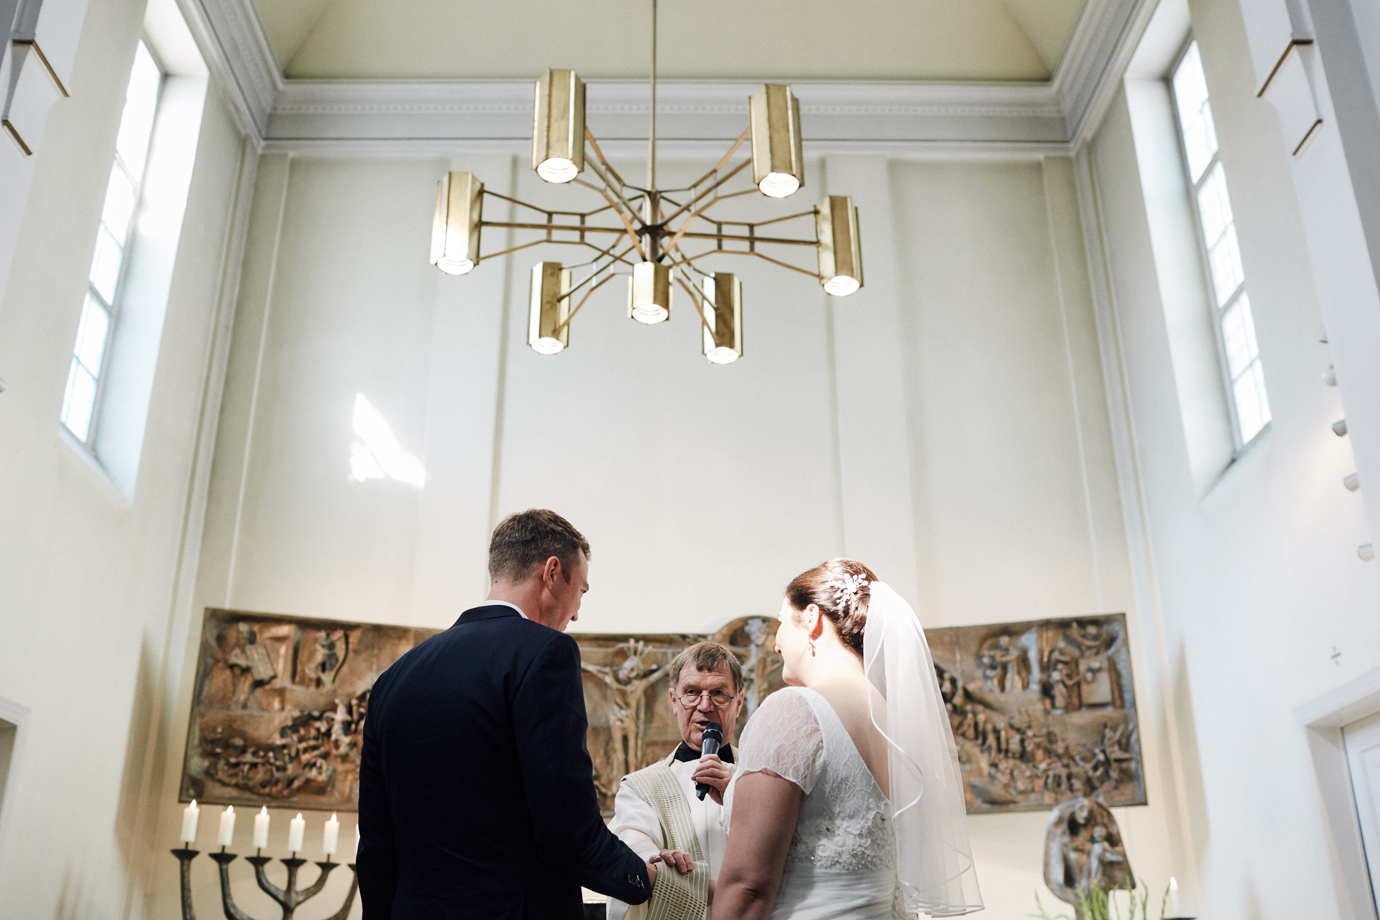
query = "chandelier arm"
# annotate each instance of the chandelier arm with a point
(719, 184)
(727, 156)
(616, 189)
(601, 253)
(513, 249)
(776, 220)
(740, 238)
(583, 300)
(520, 203)
(762, 255)
(599, 155)
(569, 228)
(598, 268)
(675, 239)
(694, 299)
(618, 256)
(627, 224)
(688, 261)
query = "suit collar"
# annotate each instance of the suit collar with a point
(488, 612)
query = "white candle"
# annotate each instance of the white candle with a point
(331, 836)
(227, 826)
(1173, 896)
(261, 828)
(189, 818)
(296, 829)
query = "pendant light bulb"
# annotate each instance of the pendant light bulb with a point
(778, 166)
(779, 185)
(649, 293)
(723, 318)
(455, 227)
(558, 170)
(840, 250)
(558, 126)
(548, 317)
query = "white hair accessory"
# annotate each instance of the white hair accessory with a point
(847, 588)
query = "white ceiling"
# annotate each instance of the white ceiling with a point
(931, 40)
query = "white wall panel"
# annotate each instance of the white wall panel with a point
(947, 424)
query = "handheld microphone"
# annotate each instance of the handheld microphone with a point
(709, 744)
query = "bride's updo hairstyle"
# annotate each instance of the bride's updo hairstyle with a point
(824, 586)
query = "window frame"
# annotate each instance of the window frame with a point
(117, 293)
(1219, 310)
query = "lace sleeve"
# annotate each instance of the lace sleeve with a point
(783, 737)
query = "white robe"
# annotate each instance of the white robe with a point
(636, 823)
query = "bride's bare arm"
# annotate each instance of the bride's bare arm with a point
(765, 810)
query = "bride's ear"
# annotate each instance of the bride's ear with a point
(814, 621)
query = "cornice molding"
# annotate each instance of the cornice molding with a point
(462, 113)
(239, 57)
(899, 118)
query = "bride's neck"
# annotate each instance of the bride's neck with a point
(833, 664)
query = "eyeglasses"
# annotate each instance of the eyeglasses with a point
(691, 698)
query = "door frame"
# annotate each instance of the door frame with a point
(1322, 720)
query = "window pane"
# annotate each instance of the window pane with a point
(1252, 409)
(119, 204)
(79, 400)
(1225, 259)
(141, 98)
(1190, 85)
(1214, 207)
(1195, 114)
(105, 266)
(1238, 336)
(1219, 232)
(1200, 142)
(92, 334)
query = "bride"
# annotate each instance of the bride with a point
(847, 802)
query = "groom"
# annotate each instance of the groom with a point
(476, 797)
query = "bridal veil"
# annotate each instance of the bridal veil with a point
(934, 861)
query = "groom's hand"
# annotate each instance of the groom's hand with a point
(715, 774)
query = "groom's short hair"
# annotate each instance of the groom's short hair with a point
(525, 540)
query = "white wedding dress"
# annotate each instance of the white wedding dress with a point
(842, 860)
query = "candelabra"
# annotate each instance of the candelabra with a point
(288, 898)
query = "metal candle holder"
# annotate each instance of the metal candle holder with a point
(289, 898)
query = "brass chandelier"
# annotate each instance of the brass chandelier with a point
(642, 233)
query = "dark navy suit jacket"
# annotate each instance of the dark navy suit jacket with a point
(476, 795)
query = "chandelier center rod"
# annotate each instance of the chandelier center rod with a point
(651, 136)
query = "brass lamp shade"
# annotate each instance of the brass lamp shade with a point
(723, 332)
(455, 228)
(840, 251)
(548, 331)
(649, 293)
(558, 126)
(778, 168)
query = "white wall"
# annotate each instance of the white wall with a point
(1257, 582)
(87, 578)
(946, 424)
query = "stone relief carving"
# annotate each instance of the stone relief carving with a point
(1042, 712)
(279, 708)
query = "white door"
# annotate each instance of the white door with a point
(1363, 754)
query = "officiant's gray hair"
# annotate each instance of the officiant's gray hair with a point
(708, 656)
(525, 540)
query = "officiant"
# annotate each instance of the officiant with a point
(657, 807)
